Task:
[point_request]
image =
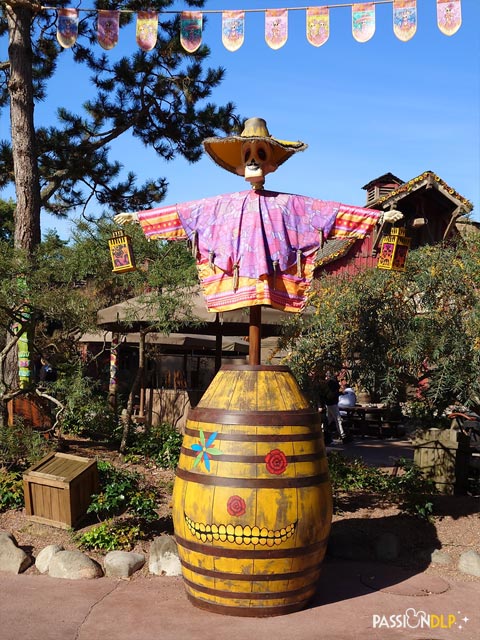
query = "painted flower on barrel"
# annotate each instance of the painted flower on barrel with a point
(276, 462)
(236, 506)
(205, 449)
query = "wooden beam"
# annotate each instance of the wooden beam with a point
(455, 214)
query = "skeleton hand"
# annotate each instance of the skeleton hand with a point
(125, 218)
(392, 216)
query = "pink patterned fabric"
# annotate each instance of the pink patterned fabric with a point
(256, 247)
(253, 229)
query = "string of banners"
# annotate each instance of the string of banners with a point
(449, 20)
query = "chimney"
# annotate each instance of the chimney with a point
(381, 187)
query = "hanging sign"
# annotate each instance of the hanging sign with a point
(121, 252)
(404, 19)
(233, 29)
(449, 16)
(147, 30)
(276, 27)
(363, 21)
(67, 27)
(107, 28)
(318, 25)
(393, 250)
(191, 24)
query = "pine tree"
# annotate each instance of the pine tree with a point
(159, 97)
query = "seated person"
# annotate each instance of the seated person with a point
(347, 398)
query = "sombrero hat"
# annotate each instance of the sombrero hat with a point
(227, 152)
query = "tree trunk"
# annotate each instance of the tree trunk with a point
(20, 87)
(27, 186)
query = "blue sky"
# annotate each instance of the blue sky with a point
(363, 109)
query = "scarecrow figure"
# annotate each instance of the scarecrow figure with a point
(253, 248)
(256, 247)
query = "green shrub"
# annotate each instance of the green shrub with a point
(412, 490)
(160, 444)
(143, 505)
(21, 446)
(11, 490)
(93, 420)
(86, 411)
(122, 492)
(419, 415)
(354, 475)
(111, 536)
(409, 488)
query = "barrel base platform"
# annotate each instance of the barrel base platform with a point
(252, 502)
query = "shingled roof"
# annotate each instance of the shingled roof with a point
(427, 179)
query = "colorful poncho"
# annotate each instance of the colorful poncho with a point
(256, 247)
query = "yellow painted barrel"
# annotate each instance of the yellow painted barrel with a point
(252, 503)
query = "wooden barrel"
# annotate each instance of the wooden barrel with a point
(252, 502)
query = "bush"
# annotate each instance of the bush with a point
(86, 411)
(160, 444)
(419, 416)
(21, 446)
(412, 489)
(111, 536)
(122, 492)
(409, 488)
(354, 475)
(11, 491)
(94, 420)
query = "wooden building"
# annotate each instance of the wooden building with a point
(179, 367)
(433, 213)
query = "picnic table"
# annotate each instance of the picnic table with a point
(370, 420)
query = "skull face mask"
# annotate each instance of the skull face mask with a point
(252, 154)
(257, 161)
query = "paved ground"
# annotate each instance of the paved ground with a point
(354, 601)
(375, 451)
(358, 601)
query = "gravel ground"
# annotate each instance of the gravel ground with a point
(455, 527)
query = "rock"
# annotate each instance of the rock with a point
(469, 563)
(440, 557)
(45, 555)
(121, 564)
(164, 559)
(387, 547)
(73, 565)
(12, 558)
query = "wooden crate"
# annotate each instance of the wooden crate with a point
(443, 455)
(58, 489)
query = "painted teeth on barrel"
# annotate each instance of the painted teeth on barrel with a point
(239, 534)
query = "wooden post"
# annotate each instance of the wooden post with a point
(113, 381)
(218, 343)
(255, 334)
(141, 364)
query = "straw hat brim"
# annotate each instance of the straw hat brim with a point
(227, 152)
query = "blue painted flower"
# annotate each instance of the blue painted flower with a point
(205, 449)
